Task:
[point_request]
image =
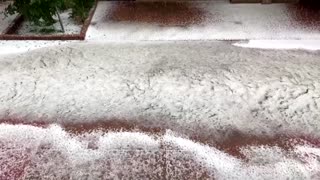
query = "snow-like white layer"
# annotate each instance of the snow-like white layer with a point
(281, 44)
(225, 22)
(5, 21)
(47, 153)
(224, 166)
(31, 152)
(70, 26)
(17, 47)
(184, 86)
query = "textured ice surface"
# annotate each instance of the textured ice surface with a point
(207, 89)
(17, 47)
(185, 86)
(30, 152)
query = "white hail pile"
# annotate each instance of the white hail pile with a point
(51, 152)
(184, 86)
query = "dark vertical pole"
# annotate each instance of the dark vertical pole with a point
(60, 21)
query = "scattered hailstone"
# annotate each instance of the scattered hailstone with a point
(263, 155)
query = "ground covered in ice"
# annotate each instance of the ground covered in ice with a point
(185, 100)
(137, 108)
(70, 26)
(274, 26)
(29, 152)
(202, 20)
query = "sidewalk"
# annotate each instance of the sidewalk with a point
(202, 20)
(274, 26)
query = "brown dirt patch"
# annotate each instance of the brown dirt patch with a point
(160, 13)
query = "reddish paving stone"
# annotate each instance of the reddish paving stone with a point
(160, 13)
(306, 16)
